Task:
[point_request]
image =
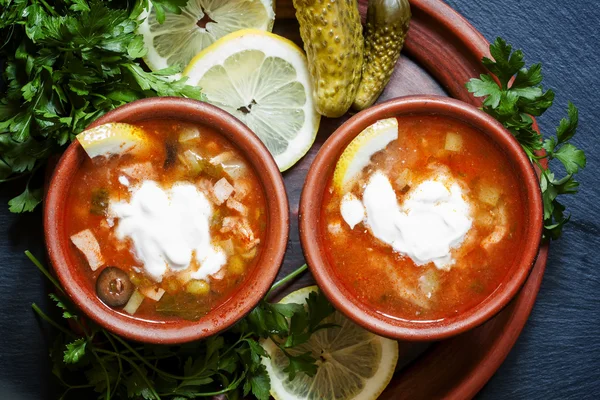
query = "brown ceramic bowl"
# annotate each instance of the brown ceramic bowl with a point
(250, 292)
(318, 179)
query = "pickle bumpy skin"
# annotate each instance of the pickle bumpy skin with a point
(333, 41)
(385, 33)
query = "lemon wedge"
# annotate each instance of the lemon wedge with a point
(112, 138)
(201, 22)
(263, 80)
(358, 153)
(354, 364)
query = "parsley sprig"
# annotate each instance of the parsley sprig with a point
(89, 358)
(513, 97)
(65, 63)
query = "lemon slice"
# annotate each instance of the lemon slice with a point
(263, 80)
(112, 138)
(201, 22)
(354, 364)
(358, 153)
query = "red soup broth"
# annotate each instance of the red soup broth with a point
(390, 282)
(175, 152)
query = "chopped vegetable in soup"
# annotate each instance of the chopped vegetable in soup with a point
(429, 225)
(166, 219)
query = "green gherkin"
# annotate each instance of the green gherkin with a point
(333, 41)
(386, 29)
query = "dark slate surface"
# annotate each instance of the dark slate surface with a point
(558, 353)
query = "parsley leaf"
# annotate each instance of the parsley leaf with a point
(528, 78)
(319, 308)
(290, 325)
(568, 126)
(26, 201)
(74, 351)
(572, 158)
(486, 86)
(66, 63)
(230, 363)
(260, 384)
(514, 104)
(97, 375)
(137, 386)
(67, 313)
(304, 362)
(506, 63)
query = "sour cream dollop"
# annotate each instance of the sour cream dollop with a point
(168, 228)
(434, 219)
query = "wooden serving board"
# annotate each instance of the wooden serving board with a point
(443, 51)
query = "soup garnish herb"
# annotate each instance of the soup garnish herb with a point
(513, 103)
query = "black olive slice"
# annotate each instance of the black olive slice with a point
(114, 287)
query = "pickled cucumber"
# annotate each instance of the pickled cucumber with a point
(333, 41)
(385, 33)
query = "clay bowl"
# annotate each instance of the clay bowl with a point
(81, 291)
(317, 181)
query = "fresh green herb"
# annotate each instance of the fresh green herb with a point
(26, 201)
(65, 63)
(228, 363)
(75, 350)
(290, 325)
(183, 305)
(173, 6)
(513, 99)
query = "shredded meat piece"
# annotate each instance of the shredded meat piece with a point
(86, 242)
(241, 228)
(499, 231)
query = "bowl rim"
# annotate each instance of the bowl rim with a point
(315, 184)
(250, 292)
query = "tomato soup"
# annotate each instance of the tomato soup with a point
(168, 221)
(428, 224)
